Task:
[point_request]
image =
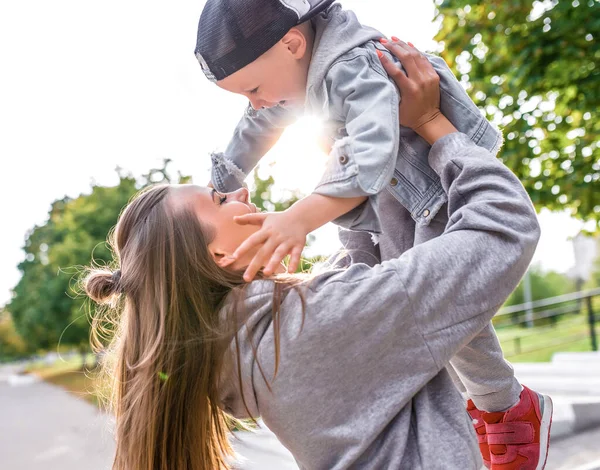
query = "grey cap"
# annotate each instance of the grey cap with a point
(234, 33)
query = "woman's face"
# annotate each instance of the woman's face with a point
(217, 210)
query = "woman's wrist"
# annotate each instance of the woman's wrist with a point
(435, 129)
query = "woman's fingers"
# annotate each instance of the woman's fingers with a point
(406, 54)
(418, 84)
(391, 68)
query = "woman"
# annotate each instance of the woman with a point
(347, 368)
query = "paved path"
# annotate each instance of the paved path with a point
(578, 452)
(42, 427)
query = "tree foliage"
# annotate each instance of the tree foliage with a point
(534, 67)
(12, 346)
(543, 285)
(262, 196)
(46, 306)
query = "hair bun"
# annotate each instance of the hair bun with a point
(102, 285)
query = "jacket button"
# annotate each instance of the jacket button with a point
(426, 213)
(343, 159)
(394, 182)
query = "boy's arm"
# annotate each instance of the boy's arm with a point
(359, 167)
(285, 232)
(253, 137)
(361, 164)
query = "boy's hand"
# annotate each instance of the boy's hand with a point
(280, 235)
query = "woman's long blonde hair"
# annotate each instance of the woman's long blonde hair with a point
(163, 340)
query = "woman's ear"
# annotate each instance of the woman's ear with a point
(295, 43)
(222, 259)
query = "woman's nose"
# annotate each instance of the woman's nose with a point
(241, 195)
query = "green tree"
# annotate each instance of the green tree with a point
(533, 67)
(45, 306)
(543, 285)
(12, 346)
(262, 196)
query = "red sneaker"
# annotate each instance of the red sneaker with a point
(519, 438)
(479, 425)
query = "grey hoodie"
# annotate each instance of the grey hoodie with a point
(362, 383)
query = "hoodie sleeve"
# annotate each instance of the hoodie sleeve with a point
(254, 136)
(362, 162)
(370, 339)
(443, 292)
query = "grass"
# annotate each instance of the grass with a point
(62, 365)
(79, 383)
(538, 344)
(569, 334)
(69, 374)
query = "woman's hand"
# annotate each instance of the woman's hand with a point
(419, 90)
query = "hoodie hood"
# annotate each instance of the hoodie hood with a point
(337, 32)
(254, 318)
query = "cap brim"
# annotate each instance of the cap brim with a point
(316, 10)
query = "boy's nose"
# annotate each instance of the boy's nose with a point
(257, 104)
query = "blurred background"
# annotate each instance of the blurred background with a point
(98, 100)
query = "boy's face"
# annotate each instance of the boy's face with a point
(278, 77)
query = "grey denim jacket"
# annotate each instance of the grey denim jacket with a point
(370, 150)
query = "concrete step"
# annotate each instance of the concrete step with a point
(9, 370)
(18, 380)
(591, 357)
(557, 369)
(574, 413)
(554, 385)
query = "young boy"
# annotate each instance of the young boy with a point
(289, 57)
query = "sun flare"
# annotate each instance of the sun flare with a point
(296, 162)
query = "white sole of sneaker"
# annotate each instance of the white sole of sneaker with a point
(546, 408)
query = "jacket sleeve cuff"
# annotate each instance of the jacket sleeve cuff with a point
(342, 179)
(364, 218)
(226, 176)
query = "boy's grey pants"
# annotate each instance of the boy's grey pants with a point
(479, 369)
